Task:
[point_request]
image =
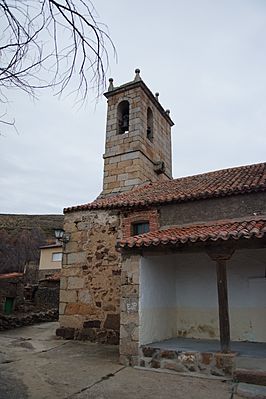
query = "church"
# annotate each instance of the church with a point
(155, 258)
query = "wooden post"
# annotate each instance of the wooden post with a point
(223, 305)
(220, 254)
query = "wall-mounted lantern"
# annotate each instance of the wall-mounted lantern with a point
(60, 235)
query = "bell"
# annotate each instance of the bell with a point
(125, 122)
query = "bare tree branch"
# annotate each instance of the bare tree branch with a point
(56, 44)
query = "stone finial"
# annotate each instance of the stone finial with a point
(137, 77)
(167, 111)
(157, 96)
(111, 86)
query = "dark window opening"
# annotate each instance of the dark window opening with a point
(123, 117)
(140, 228)
(149, 124)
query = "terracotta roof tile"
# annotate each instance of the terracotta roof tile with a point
(53, 277)
(243, 179)
(198, 233)
(11, 275)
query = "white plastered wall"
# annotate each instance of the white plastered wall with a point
(247, 295)
(179, 296)
(157, 300)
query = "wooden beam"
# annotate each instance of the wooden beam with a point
(223, 305)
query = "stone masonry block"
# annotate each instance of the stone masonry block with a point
(127, 318)
(72, 308)
(62, 307)
(63, 283)
(131, 305)
(71, 271)
(68, 296)
(135, 334)
(84, 296)
(85, 309)
(128, 156)
(130, 290)
(66, 333)
(75, 283)
(72, 321)
(112, 322)
(76, 257)
(128, 347)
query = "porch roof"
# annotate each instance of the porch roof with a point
(198, 233)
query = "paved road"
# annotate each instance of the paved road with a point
(34, 364)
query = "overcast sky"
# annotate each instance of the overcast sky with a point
(207, 59)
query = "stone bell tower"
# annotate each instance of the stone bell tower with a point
(138, 137)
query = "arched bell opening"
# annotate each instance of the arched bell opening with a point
(123, 117)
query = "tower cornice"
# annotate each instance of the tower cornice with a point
(136, 84)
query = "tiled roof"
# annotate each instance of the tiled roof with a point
(53, 277)
(55, 245)
(239, 180)
(198, 233)
(10, 275)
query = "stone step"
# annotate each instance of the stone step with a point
(251, 391)
(250, 376)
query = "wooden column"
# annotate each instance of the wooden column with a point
(223, 305)
(220, 255)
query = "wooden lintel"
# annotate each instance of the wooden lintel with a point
(220, 252)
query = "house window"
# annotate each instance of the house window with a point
(140, 228)
(149, 124)
(123, 117)
(57, 256)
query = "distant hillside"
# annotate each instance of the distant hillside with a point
(12, 224)
(21, 236)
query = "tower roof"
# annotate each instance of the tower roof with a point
(138, 82)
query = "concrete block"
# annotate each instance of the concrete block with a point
(256, 377)
(251, 391)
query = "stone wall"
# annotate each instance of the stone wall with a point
(32, 273)
(8, 322)
(47, 294)
(90, 278)
(11, 288)
(235, 206)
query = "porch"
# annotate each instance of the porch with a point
(194, 307)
